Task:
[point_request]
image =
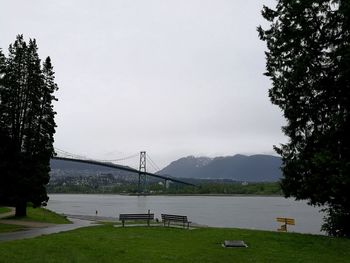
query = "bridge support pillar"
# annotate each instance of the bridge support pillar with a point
(142, 170)
(139, 184)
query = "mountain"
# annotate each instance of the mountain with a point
(254, 168)
(185, 167)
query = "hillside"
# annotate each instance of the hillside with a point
(185, 167)
(254, 168)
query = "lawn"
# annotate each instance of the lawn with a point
(33, 214)
(4, 210)
(158, 244)
(43, 215)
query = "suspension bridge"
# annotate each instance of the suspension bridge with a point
(141, 171)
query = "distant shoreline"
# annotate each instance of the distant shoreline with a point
(131, 194)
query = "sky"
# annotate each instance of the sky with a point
(169, 77)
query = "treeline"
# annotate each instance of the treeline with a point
(173, 188)
(230, 188)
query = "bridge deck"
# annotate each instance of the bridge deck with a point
(123, 168)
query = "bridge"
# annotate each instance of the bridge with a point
(142, 173)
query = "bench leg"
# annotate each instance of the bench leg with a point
(123, 223)
(148, 222)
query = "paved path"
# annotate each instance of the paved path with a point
(39, 231)
(8, 214)
(31, 224)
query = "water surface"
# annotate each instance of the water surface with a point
(218, 211)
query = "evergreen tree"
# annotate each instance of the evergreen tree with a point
(27, 118)
(308, 61)
(3, 134)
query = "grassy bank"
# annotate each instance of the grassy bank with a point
(33, 214)
(158, 244)
(4, 210)
(6, 227)
(42, 215)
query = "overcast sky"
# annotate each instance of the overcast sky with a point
(173, 78)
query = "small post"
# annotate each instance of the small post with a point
(148, 217)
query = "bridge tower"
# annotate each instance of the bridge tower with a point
(142, 170)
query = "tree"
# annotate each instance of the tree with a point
(3, 137)
(28, 126)
(308, 61)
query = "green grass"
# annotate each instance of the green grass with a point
(158, 244)
(43, 215)
(4, 210)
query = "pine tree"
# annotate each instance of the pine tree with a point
(3, 134)
(28, 122)
(308, 61)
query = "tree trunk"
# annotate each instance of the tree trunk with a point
(21, 209)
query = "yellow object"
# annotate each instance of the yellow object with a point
(288, 221)
(285, 221)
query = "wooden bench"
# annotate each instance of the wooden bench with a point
(175, 218)
(144, 217)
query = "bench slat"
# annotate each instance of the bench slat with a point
(136, 216)
(125, 217)
(175, 218)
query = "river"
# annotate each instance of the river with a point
(217, 211)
